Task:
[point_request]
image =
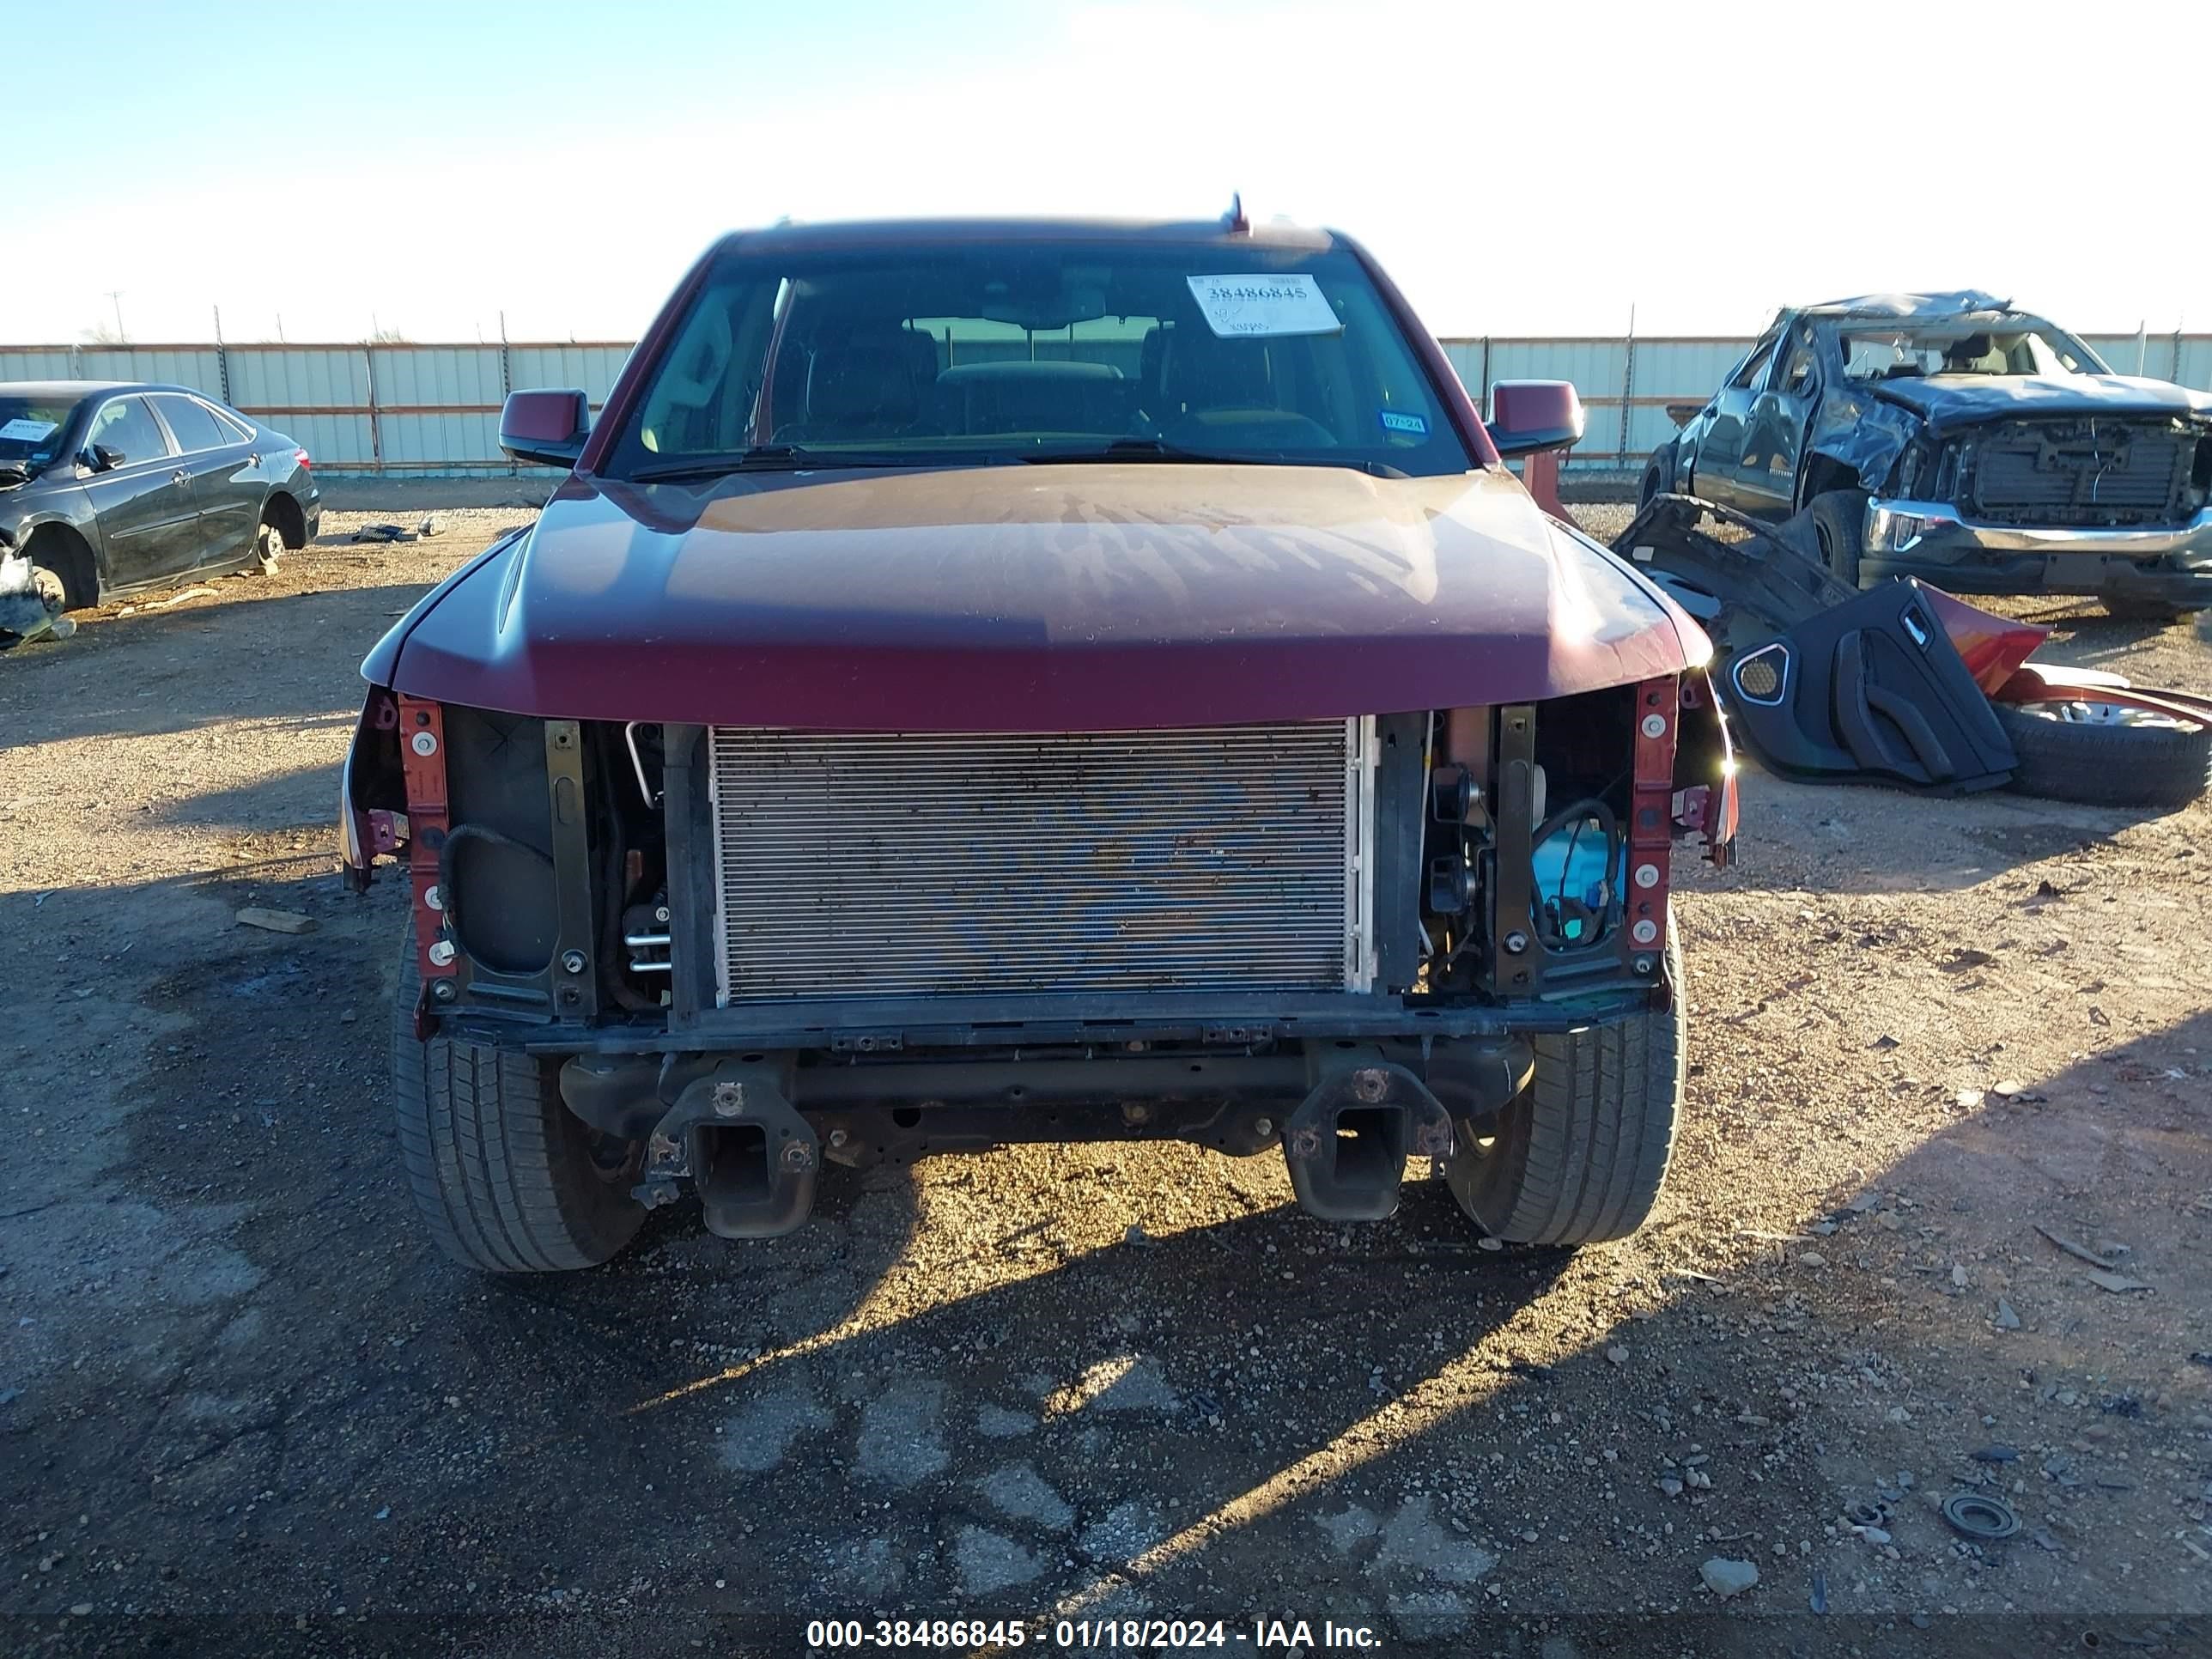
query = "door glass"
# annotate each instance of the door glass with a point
(128, 425)
(1744, 376)
(194, 428)
(1793, 374)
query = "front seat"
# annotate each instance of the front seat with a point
(1202, 373)
(1221, 393)
(869, 385)
(1976, 354)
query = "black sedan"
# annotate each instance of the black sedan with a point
(108, 487)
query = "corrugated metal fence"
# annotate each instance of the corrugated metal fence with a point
(422, 410)
(433, 410)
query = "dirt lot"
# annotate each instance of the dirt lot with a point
(245, 1408)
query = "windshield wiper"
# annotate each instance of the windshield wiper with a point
(794, 458)
(1158, 449)
(1133, 449)
(761, 458)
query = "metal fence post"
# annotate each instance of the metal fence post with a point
(506, 381)
(376, 434)
(1627, 386)
(222, 359)
(1482, 397)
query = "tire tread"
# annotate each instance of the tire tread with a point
(1598, 1132)
(2106, 766)
(501, 1179)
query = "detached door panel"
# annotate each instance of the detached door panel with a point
(149, 517)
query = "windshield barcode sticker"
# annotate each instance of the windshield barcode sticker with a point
(1238, 307)
(22, 431)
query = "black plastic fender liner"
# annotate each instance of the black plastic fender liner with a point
(1744, 580)
(1346, 1144)
(617, 1095)
(1474, 1082)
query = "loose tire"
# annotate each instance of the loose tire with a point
(2067, 752)
(269, 546)
(1579, 1156)
(1840, 521)
(508, 1179)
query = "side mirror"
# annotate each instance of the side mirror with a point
(104, 457)
(548, 427)
(1526, 416)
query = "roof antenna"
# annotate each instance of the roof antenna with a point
(1234, 221)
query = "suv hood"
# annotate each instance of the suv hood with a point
(1051, 598)
(1950, 400)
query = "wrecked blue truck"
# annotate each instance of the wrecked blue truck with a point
(1956, 439)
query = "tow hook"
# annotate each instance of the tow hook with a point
(752, 1157)
(1348, 1144)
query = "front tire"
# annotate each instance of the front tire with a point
(1840, 522)
(1578, 1158)
(507, 1178)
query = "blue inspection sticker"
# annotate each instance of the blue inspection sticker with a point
(1398, 421)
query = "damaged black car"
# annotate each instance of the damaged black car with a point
(107, 488)
(1956, 439)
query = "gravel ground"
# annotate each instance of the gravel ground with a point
(244, 1407)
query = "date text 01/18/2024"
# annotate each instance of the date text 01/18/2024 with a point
(1265, 1636)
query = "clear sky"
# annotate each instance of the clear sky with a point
(1520, 166)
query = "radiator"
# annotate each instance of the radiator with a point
(1222, 858)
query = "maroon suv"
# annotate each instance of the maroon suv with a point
(997, 682)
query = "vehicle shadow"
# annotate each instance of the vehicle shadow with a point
(302, 796)
(1079, 1380)
(265, 658)
(2082, 632)
(1844, 838)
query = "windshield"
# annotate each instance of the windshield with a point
(966, 353)
(31, 430)
(2016, 345)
